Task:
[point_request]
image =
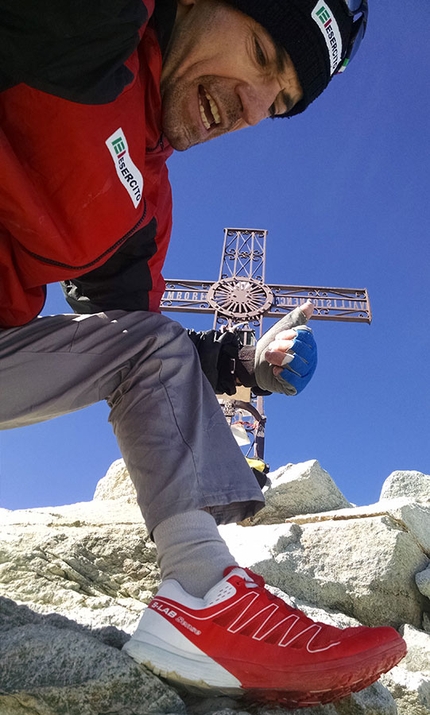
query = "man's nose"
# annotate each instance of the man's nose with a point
(256, 101)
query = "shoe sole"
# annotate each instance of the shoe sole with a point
(310, 698)
(197, 674)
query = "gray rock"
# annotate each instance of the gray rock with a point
(422, 579)
(411, 691)
(415, 517)
(303, 488)
(116, 484)
(52, 670)
(13, 615)
(91, 562)
(417, 658)
(82, 573)
(375, 700)
(363, 567)
(411, 484)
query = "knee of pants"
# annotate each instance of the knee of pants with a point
(160, 345)
(142, 334)
(175, 342)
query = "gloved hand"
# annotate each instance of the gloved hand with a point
(300, 361)
(286, 356)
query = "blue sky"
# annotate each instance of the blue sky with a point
(344, 192)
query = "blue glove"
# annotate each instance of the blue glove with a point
(300, 369)
(296, 375)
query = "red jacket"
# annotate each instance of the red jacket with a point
(84, 191)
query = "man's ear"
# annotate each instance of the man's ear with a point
(185, 3)
(184, 6)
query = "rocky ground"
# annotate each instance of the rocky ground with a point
(74, 580)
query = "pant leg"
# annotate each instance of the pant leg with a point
(171, 431)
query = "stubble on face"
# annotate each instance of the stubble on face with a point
(181, 133)
(196, 107)
(185, 128)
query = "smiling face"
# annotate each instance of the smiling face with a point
(222, 72)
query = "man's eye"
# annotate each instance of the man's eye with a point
(259, 53)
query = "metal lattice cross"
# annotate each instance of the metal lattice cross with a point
(241, 298)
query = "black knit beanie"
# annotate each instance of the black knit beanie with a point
(315, 34)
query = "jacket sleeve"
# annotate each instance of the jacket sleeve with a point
(226, 362)
(218, 353)
(74, 49)
(122, 283)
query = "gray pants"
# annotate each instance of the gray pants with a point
(172, 434)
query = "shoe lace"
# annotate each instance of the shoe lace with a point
(257, 580)
(321, 635)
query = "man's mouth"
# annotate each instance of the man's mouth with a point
(208, 109)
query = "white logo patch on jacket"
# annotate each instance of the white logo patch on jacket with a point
(128, 173)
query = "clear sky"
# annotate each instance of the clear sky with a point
(344, 191)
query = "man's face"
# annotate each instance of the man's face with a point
(222, 72)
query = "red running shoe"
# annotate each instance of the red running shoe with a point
(241, 639)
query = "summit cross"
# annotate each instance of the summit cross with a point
(241, 298)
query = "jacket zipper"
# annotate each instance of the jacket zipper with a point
(159, 145)
(111, 249)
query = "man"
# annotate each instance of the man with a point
(94, 97)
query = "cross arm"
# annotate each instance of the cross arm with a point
(345, 304)
(348, 304)
(186, 296)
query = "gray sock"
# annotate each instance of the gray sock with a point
(191, 550)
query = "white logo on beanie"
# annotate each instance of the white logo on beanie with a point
(326, 22)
